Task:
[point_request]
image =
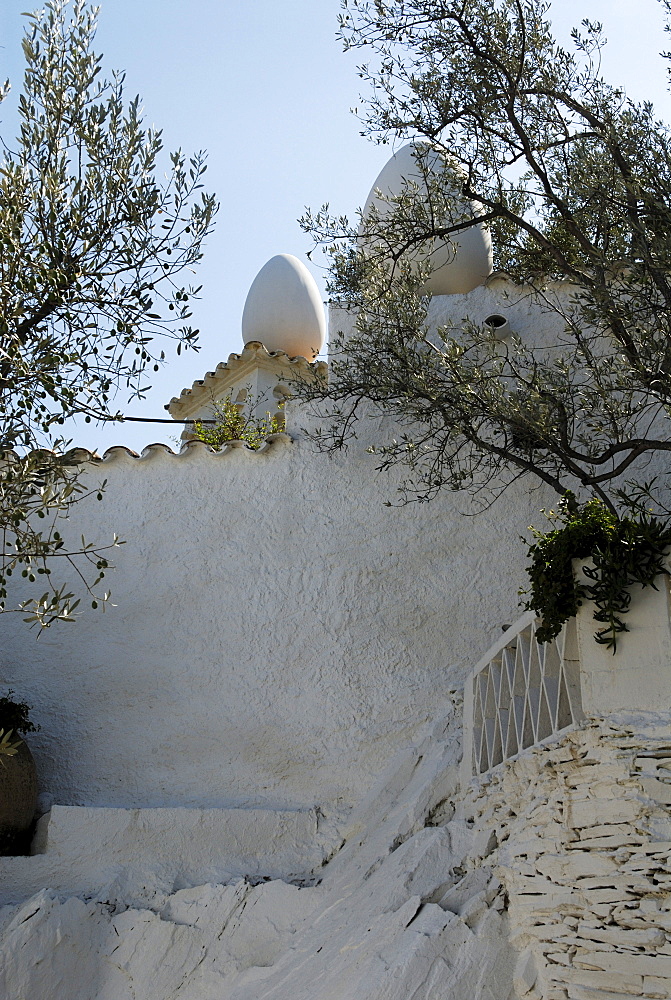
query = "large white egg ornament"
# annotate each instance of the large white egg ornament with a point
(458, 265)
(284, 309)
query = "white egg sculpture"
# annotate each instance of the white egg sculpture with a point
(459, 264)
(284, 310)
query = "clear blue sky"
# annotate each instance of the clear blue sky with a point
(266, 89)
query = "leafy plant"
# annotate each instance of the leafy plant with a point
(623, 551)
(15, 715)
(8, 746)
(233, 424)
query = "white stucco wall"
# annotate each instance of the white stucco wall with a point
(278, 632)
(537, 321)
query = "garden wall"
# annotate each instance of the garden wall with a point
(276, 634)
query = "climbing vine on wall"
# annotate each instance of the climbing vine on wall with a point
(622, 551)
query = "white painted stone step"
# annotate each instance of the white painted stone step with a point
(80, 850)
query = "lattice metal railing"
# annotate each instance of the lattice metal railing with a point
(520, 693)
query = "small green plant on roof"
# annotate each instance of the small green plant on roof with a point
(233, 424)
(622, 551)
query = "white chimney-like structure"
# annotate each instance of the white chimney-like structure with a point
(283, 331)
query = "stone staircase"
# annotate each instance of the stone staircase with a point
(407, 907)
(136, 854)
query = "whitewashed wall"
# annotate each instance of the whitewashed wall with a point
(278, 632)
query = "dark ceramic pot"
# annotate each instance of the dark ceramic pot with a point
(18, 800)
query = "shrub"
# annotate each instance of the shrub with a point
(15, 715)
(234, 425)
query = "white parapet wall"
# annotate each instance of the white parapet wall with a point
(637, 677)
(276, 631)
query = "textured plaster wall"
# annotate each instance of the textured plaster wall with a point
(278, 632)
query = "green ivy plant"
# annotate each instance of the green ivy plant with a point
(622, 550)
(233, 424)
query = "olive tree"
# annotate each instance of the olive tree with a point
(573, 180)
(96, 253)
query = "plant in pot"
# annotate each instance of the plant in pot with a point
(18, 777)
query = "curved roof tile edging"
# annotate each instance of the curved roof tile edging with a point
(82, 456)
(250, 352)
(151, 450)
